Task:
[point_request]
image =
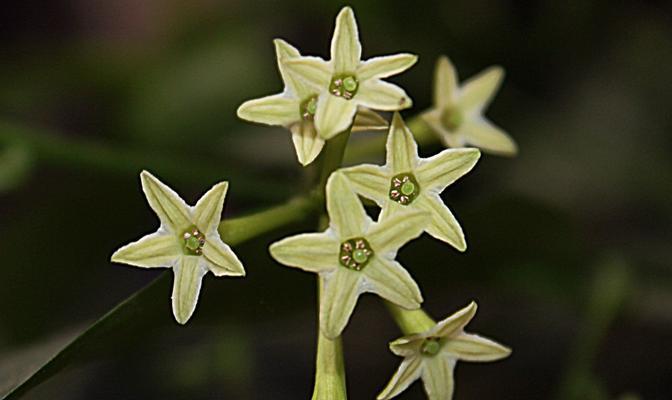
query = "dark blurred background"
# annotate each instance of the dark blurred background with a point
(569, 243)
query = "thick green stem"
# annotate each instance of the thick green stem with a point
(410, 321)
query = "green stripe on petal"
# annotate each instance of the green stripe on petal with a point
(380, 95)
(307, 143)
(338, 300)
(334, 115)
(346, 213)
(437, 377)
(477, 92)
(276, 109)
(393, 231)
(221, 260)
(152, 251)
(346, 51)
(402, 151)
(283, 52)
(442, 223)
(313, 70)
(382, 67)
(208, 210)
(469, 347)
(455, 324)
(408, 372)
(441, 170)
(445, 83)
(313, 252)
(171, 209)
(188, 273)
(370, 181)
(485, 135)
(389, 280)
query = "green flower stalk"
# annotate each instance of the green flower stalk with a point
(431, 355)
(187, 241)
(353, 256)
(408, 182)
(457, 115)
(346, 82)
(295, 109)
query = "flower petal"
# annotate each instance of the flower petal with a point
(186, 286)
(208, 210)
(370, 181)
(402, 151)
(368, 120)
(312, 252)
(471, 347)
(445, 83)
(346, 51)
(437, 377)
(448, 138)
(171, 209)
(389, 280)
(334, 115)
(346, 213)
(485, 135)
(442, 223)
(339, 297)
(283, 52)
(307, 143)
(382, 67)
(276, 109)
(157, 250)
(380, 95)
(455, 323)
(408, 372)
(478, 91)
(312, 70)
(408, 345)
(222, 261)
(441, 170)
(393, 231)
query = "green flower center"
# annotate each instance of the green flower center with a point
(308, 108)
(193, 241)
(404, 188)
(452, 118)
(344, 86)
(355, 254)
(430, 347)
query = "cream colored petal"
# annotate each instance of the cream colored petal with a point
(312, 70)
(346, 213)
(402, 151)
(441, 170)
(312, 252)
(393, 231)
(382, 67)
(208, 210)
(370, 181)
(307, 143)
(368, 120)
(454, 324)
(445, 83)
(381, 95)
(341, 290)
(346, 51)
(389, 280)
(442, 223)
(277, 109)
(408, 372)
(283, 52)
(437, 377)
(477, 92)
(157, 250)
(469, 347)
(448, 138)
(188, 273)
(485, 135)
(408, 346)
(222, 261)
(334, 115)
(171, 209)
